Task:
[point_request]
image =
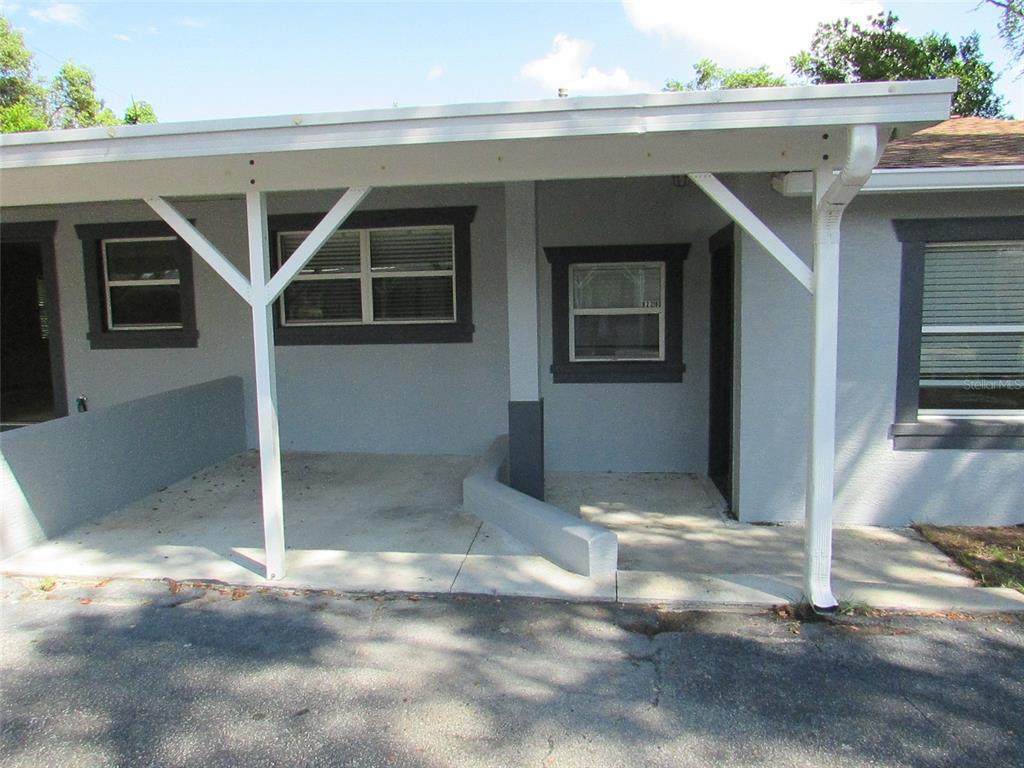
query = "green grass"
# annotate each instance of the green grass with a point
(994, 556)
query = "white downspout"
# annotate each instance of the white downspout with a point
(831, 196)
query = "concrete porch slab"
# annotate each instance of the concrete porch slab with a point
(701, 589)
(365, 523)
(528, 576)
(676, 524)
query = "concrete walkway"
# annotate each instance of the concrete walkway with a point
(372, 523)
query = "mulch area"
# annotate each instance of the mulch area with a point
(994, 556)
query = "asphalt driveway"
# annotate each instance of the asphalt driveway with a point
(137, 674)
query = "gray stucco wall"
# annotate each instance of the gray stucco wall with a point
(629, 427)
(424, 398)
(453, 398)
(874, 484)
(63, 472)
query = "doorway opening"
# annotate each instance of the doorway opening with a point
(720, 421)
(31, 356)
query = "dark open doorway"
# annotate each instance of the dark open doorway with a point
(723, 270)
(31, 355)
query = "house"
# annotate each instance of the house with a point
(701, 282)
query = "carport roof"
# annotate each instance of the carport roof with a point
(764, 129)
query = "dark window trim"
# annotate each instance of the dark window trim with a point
(43, 233)
(626, 371)
(102, 338)
(908, 431)
(461, 331)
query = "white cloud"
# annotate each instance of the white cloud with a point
(435, 72)
(744, 32)
(58, 13)
(122, 38)
(152, 29)
(192, 22)
(8, 8)
(566, 67)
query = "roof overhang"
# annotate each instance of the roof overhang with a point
(749, 130)
(889, 180)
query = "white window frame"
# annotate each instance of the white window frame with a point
(108, 284)
(574, 312)
(366, 275)
(991, 328)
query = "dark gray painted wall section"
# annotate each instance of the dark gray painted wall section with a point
(526, 447)
(61, 473)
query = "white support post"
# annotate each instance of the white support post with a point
(831, 196)
(266, 386)
(202, 246)
(525, 407)
(521, 267)
(320, 235)
(822, 441)
(753, 226)
(259, 292)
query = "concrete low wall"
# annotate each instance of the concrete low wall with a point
(561, 537)
(56, 475)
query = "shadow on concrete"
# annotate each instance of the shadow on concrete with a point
(198, 678)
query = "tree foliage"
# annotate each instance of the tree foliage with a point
(710, 76)
(139, 112)
(29, 103)
(843, 51)
(1011, 26)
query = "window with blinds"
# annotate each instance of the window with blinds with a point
(972, 329)
(373, 276)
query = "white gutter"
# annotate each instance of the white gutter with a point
(898, 103)
(890, 180)
(832, 194)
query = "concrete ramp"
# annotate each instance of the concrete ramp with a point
(559, 536)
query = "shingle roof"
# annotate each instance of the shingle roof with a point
(961, 141)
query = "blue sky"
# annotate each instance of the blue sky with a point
(212, 60)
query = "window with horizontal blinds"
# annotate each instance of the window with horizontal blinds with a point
(972, 327)
(371, 276)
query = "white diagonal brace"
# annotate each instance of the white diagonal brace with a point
(207, 250)
(754, 227)
(320, 234)
(203, 247)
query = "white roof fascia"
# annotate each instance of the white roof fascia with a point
(896, 103)
(888, 180)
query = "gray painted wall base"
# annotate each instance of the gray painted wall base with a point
(526, 447)
(56, 475)
(562, 538)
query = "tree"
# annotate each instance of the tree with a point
(712, 76)
(139, 112)
(28, 103)
(843, 51)
(1011, 26)
(22, 95)
(73, 100)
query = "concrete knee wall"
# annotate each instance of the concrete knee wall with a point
(561, 537)
(56, 475)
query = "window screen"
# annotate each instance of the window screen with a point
(616, 312)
